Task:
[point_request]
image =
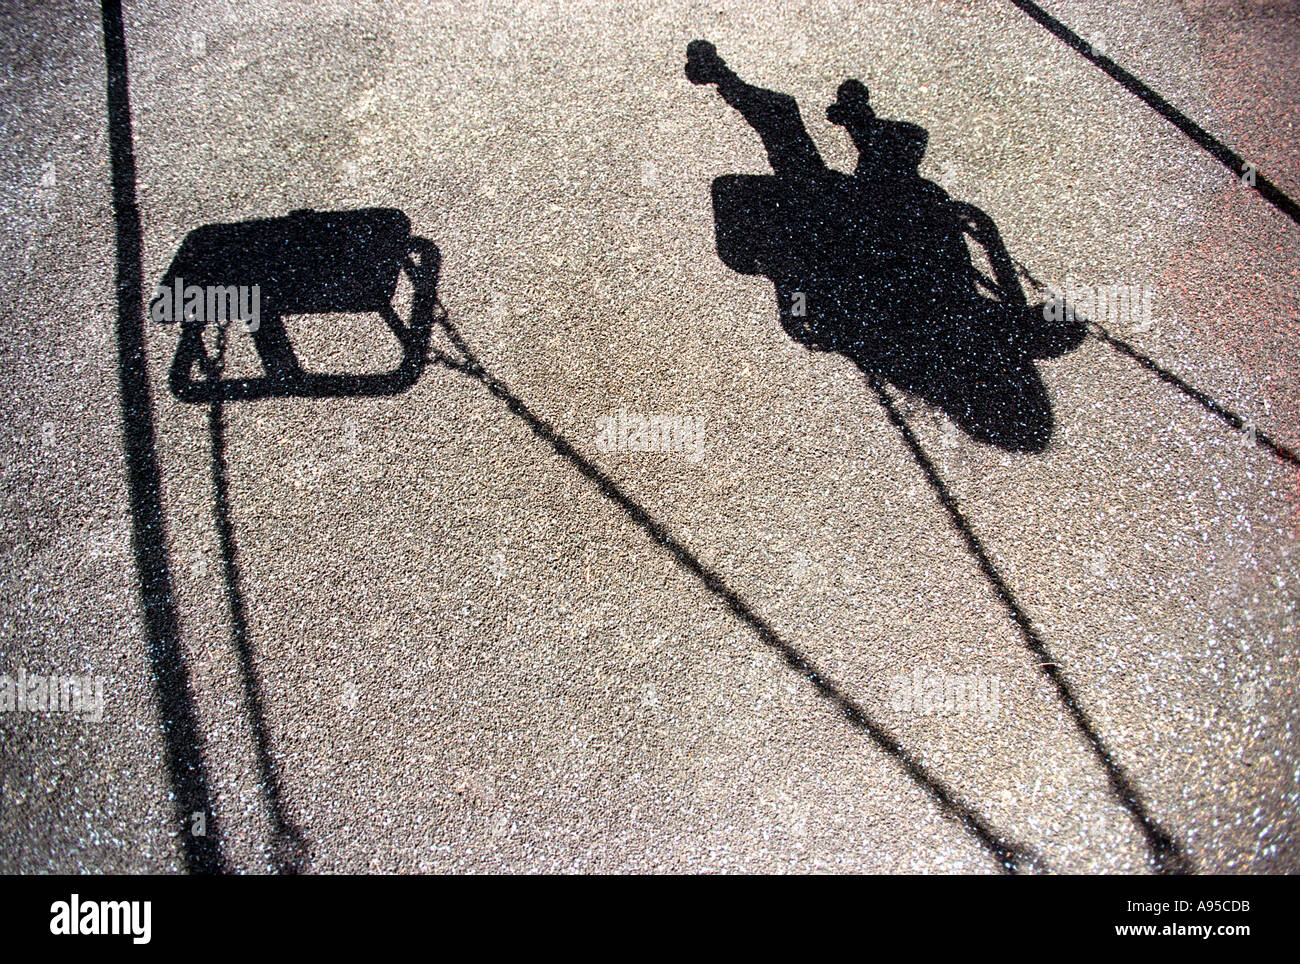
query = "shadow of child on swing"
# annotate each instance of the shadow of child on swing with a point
(875, 265)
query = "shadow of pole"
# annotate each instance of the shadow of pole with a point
(182, 738)
(1011, 857)
(1166, 855)
(289, 851)
(1197, 134)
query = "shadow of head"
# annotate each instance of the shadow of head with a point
(254, 274)
(885, 148)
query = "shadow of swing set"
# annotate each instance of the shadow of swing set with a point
(252, 275)
(874, 265)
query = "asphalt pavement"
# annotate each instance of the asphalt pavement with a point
(436, 621)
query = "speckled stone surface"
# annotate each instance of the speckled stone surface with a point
(472, 656)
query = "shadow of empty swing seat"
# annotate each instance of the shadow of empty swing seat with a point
(308, 263)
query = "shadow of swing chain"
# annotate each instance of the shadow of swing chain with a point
(1222, 412)
(1011, 857)
(289, 851)
(1165, 853)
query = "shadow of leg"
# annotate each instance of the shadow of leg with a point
(276, 351)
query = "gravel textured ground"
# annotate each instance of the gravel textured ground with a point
(477, 649)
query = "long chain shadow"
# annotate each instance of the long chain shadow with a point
(1012, 857)
(1217, 409)
(1262, 439)
(1165, 852)
(289, 850)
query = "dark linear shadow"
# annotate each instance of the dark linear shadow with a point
(1262, 439)
(1165, 853)
(1198, 135)
(309, 262)
(1011, 857)
(181, 734)
(289, 851)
